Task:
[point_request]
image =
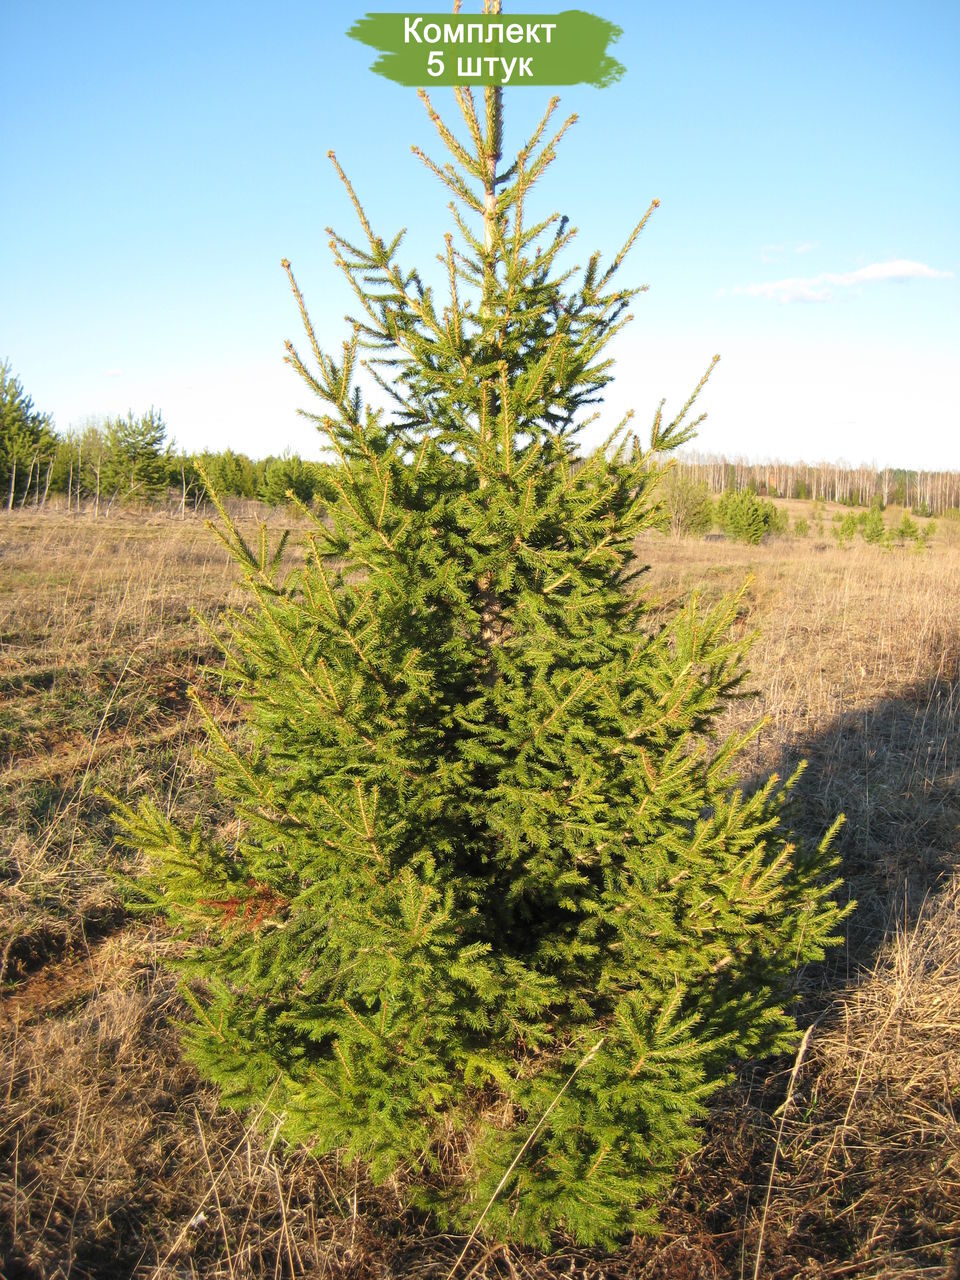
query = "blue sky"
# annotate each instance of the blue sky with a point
(161, 160)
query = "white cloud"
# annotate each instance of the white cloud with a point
(773, 252)
(820, 288)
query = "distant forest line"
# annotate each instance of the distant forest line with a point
(118, 460)
(927, 492)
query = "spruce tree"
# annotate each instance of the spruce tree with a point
(493, 889)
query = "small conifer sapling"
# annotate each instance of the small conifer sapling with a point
(492, 885)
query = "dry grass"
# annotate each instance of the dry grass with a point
(876, 1147)
(857, 670)
(98, 646)
(120, 1164)
(113, 1158)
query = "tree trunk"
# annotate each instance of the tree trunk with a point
(491, 610)
(26, 490)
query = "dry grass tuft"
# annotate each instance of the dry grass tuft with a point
(877, 1147)
(116, 1161)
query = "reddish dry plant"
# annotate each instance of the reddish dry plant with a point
(249, 912)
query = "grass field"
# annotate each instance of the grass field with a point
(114, 1160)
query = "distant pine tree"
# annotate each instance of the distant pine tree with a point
(493, 889)
(288, 476)
(746, 518)
(27, 441)
(230, 473)
(136, 463)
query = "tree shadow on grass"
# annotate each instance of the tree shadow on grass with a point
(844, 1163)
(893, 769)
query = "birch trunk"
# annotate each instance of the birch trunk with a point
(26, 490)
